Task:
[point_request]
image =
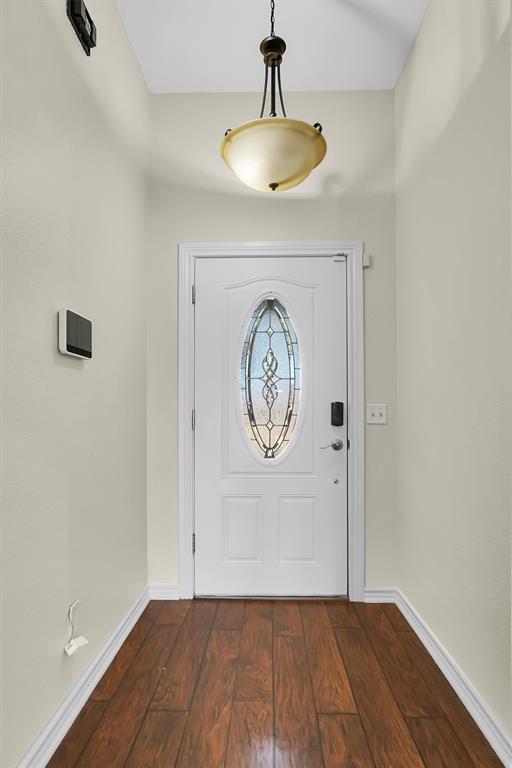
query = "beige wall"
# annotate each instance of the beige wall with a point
(194, 197)
(454, 306)
(73, 432)
(74, 472)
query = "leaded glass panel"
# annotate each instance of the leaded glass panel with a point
(270, 378)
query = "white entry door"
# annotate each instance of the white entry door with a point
(270, 490)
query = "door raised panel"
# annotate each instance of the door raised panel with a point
(297, 529)
(243, 529)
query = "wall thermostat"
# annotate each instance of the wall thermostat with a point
(75, 334)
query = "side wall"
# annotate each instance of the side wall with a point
(73, 432)
(454, 305)
(195, 197)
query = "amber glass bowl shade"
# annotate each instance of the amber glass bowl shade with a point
(273, 153)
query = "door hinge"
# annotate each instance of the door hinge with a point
(193, 543)
(193, 294)
(348, 444)
(193, 418)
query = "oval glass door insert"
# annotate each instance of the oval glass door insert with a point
(270, 378)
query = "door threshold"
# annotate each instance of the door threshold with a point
(272, 597)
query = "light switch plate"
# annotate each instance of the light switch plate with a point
(376, 413)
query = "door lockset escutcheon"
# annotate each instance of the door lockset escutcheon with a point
(336, 445)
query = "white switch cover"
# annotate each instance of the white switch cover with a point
(376, 413)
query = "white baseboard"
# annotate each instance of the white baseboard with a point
(49, 739)
(380, 595)
(492, 729)
(166, 592)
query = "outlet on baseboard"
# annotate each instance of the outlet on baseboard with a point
(376, 413)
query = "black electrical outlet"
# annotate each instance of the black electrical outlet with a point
(82, 24)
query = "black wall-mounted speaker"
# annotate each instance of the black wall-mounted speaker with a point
(82, 23)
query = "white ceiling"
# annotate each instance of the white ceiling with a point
(186, 46)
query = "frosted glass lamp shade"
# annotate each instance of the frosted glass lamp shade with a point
(274, 153)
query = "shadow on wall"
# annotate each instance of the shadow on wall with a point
(373, 15)
(469, 32)
(193, 214)
(188, 130)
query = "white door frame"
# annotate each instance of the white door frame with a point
(353, 252)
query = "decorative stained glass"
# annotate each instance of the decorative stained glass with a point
(270, 378)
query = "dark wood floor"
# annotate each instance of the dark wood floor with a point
(261, 683)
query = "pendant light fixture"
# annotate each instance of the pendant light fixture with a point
(273, 153)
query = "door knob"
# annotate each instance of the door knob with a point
(336, 445)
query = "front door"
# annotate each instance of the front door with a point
(270, 451)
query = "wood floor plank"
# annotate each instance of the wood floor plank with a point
(479, 750)
(412, 693)
(397, 618)
(111, 742)
(344, 743)
(342, 614)
(178, 680)
(286, 618)
(170, 684)
(438, 744)
(206, 734)
(254, 675)
(297, 739)
(78, 735)
(331, 687)
(158, 740)
(109, 683)
(389, 739)
(173, 612)
(229, 614)
(251, 738)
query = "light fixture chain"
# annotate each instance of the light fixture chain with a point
(272, 17)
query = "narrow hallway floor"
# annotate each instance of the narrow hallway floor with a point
(273, 683)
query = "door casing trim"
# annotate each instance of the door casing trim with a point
(353, 250)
